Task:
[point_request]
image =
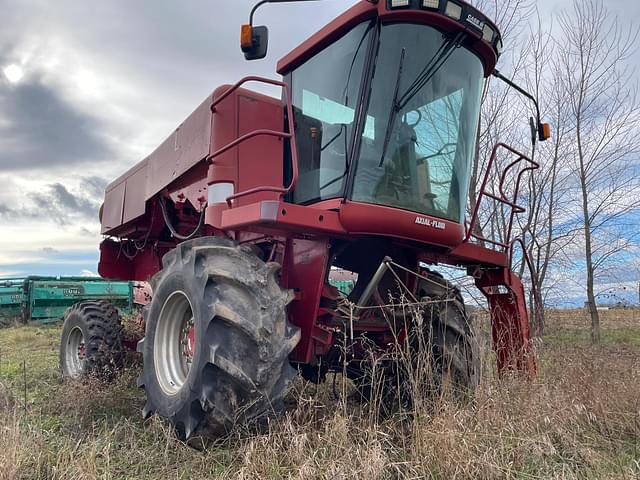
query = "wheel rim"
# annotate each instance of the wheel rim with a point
(75, 353)
(175, 343)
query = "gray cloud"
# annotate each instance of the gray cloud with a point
(42, 130)
(60, 204)
(63, 205)
(94, 186)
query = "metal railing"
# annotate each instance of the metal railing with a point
(263, 132)
(506, 243)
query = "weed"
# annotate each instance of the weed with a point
(579, 419)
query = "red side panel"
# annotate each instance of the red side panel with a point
(189, 145)
(223, 169)
(135, 195)
(305, 272)
(509, 320)
(364, 218)
(260, 158)
(113, 206)
(255, 162)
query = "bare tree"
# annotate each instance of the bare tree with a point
(546, 230)
(603, 113)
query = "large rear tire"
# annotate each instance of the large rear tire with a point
(91, 341)
(217, 338)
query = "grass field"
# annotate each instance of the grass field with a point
(579, 419)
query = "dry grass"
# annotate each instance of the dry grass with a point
(579, 419)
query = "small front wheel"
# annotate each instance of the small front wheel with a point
(91, 341)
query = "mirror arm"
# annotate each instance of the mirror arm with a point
(254, 41)
(253, 10)
(262, 2)
(512, 84)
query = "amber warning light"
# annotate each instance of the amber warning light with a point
(545, 131)
(246, 38)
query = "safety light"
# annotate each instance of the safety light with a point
(431, 3)
(544, 131)
(246, 37)
(453, 10)
(487, 33)
(399, 3)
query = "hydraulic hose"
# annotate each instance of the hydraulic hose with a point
(174, 232)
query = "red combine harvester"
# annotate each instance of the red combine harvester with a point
(363, 164)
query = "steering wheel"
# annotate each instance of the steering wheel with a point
(418, 120)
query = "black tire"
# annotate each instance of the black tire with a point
(238, 369)
(456, 356)
(96, 324)
(451, 336)
(444, 351)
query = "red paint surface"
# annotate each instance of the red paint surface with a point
(305, 271)
(191, 341)
(369, 219)
(509, 320)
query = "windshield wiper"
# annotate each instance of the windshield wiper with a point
(394, 108)
(435, 63)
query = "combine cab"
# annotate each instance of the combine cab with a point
(363, 165)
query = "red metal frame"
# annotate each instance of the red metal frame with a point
(510, 319)
(366, 10)
(300, 237)
(515, 208)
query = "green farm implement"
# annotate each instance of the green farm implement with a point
(45, 299)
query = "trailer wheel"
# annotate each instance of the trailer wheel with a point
(91, 342)
(217, 338)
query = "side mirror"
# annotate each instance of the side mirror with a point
(254, 42)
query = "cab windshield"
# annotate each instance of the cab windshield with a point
(418, 143)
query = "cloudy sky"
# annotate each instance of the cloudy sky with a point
(88, 88)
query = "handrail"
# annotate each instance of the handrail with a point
(515, 208)
(263, 132)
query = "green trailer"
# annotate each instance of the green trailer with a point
(12, 299)
(344, 286)
(45, 299)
